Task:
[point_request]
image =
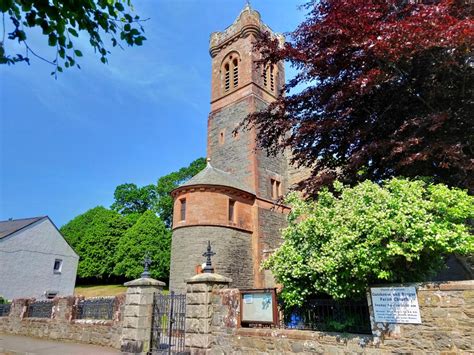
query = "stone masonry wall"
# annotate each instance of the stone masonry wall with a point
(271, 223)
(62, 325)
(233, 254)
(447, 313)
(270, 167)
(233, 152)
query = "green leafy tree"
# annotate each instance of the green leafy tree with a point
(94, 235)
(131, 199)
(395, 232)
(63, 21)
(148, 235)
(167, 183)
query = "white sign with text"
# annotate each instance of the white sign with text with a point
(395, 305)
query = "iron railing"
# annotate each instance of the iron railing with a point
(40, 309)
(5, 309)
(96, 308)
(330, 315)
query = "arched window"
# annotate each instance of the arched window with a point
(272, 79)
(269, 77)
(230, 71)
(265, 79)
(236, 72)
(227, 77)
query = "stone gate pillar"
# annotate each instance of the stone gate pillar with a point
(200, 290)
(138, 314)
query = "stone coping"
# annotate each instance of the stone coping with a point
(107, 322)
(144, 281)
(208, 278)
(298, 334)
(37, 319)
(434, 285)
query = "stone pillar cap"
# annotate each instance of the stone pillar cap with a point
(208, 278)
(144, 281)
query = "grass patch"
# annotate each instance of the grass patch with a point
(99, 290)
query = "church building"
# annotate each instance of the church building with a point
(233, 202)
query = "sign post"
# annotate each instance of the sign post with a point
(397, 305)
(258, 306)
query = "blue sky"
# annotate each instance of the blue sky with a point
(66, 144)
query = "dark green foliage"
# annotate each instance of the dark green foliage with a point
(132, 199)
(148, 235)
(61, 22)
(167, 183)
(94, 235)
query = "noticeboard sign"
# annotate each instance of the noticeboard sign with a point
(397, 305)
(258, 306)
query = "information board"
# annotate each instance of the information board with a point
(258, 306)
(395, 305)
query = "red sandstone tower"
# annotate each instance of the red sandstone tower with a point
(232, 202)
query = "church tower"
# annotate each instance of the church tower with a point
(233, 201)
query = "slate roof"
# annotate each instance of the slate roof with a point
(214, 176)
(11, 226)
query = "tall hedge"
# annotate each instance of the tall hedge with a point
(148, 235)
(94, 235)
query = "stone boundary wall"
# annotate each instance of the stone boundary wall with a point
(447, 313)
(62, 325)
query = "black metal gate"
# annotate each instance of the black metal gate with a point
(168, 327)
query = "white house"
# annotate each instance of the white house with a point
(35, 260)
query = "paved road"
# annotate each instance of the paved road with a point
(16, 345)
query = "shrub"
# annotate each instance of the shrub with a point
(341, 243)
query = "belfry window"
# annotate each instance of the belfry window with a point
(230, 72)
(227, 77)
(272, 79)
(269, 77)
(236, 72)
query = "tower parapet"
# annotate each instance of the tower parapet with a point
(249, 22)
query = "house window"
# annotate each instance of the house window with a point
(51, 294)
(276, 188)
(58, 264)
(231, 210)
(183, 209)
